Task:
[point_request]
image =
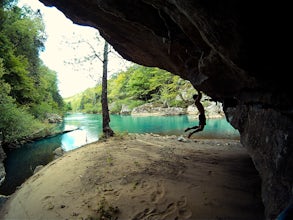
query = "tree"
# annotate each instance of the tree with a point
(92, 55)
(108, 132)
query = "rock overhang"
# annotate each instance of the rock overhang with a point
(233, 51)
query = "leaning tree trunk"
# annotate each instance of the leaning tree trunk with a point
(107, 131)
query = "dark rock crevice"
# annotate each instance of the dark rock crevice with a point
(233, 51)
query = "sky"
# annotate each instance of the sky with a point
(61, 48)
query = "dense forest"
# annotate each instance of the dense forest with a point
(28, 89)
(136, 86)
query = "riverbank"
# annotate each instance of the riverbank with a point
(143, 177)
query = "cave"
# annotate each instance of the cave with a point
(233, 51)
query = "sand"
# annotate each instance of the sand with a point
(143, 177)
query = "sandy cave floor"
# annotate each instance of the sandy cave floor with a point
(143, 177)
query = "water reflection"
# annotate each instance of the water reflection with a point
(88, 125)
(21, 162)
(74, 139)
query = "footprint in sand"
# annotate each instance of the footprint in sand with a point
(174, 210)
(178, 210)
(48, 203)
(145, 214)
(158, 193)
(47, 197)
(183, 209)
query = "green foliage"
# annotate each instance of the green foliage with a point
(139, 84)
(15, 122)
(48, 98)
(134, 87)
(28, 89)
(25, 30)
(21, 39)
(68, 107)
(117, 85)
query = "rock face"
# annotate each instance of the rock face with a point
(149, 109)
(213, 110)
(233, 51)
(53, 118)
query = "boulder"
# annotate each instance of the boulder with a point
(125, 110)
(58, 152)
(38, 168)
(54, 118)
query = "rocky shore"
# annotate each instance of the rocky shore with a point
(212, 110)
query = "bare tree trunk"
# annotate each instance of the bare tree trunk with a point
(108, 132)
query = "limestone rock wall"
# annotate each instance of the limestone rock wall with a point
(267, 134)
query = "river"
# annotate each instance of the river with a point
(21, 162)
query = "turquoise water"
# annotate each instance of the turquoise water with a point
(90, 127)
(169, 125)
(21, 162)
